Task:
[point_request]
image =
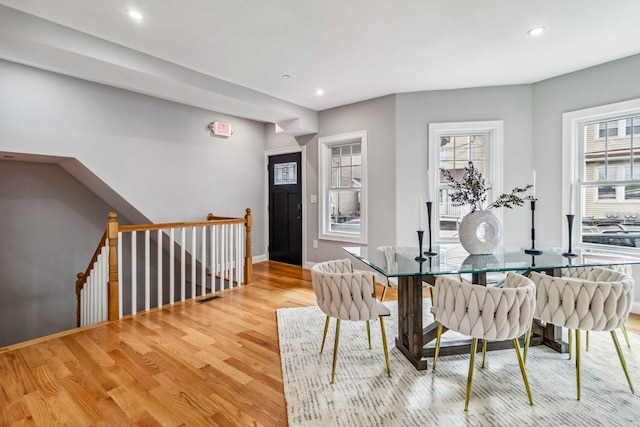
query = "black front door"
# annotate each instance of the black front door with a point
(285, 208)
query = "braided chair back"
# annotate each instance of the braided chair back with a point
(599, 302)
(343, 294)
(485, 312)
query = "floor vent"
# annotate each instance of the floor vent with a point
(209, 298)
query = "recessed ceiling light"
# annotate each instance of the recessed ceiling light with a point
(535, 31)
(285, 76)
(134, 14)
(319, 92)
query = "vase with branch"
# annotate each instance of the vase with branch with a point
(480, 231)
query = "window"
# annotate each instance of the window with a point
(342, 173)
(452, 146)
(607, 129)
(602, 145)
(632, 124)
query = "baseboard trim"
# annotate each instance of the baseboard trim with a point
(260, 258)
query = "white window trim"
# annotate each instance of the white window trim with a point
(571, 129)
(324, 159)
(494, 157)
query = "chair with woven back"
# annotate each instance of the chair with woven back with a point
(344, 294)
(486, 313)
(588, 273)
(601, 301)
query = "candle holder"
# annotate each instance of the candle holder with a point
(533, 250)
(420, 258)
(430, 251)
(569, 252)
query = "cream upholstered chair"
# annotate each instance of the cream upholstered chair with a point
(589, 305)
(344, 294)
(595, 274)
(487, 313)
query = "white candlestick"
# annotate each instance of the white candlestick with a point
(533, 184)
(571, 201)
(420, 223)
(428, 189)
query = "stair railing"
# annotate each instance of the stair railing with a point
(188, 260)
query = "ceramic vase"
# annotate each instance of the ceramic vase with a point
(480, 232)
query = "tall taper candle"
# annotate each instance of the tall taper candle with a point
(533, 184)
(420, 222)
(571, 201)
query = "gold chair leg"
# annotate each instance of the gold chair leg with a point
(484, 351)
(384, 292)
(622, 361)
(474, 347)
(516, 345)
(431, 296)
(384, 346)
(578, 372)
(369, 334)
(437, 350)
(324, 336)
(587, 340)
(626, 337)
(527, 341)
(570, 333)
(335, 351)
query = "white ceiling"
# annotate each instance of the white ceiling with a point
(358, 50)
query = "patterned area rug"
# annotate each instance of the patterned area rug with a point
(363, 395)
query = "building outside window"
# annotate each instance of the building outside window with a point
(606, 143)
(343, 187)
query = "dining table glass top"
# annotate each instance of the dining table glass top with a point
(397, 261)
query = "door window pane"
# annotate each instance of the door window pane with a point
(285, 173)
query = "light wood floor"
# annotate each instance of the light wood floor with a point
(210, 363)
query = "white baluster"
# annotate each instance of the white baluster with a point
(120, 260)
(183, 257)
(134, 274)
(159, 268)
(147, 270)
(203, 278)
(193, 261)
(105, 284)
(214, 239)
(171, 265)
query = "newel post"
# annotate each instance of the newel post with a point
(248, 259)
(114, 297)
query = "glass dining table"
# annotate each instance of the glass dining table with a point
(416, 340)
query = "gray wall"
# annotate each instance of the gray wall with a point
(157, 155)
(50, 226)
(605, 84)
(415, 111)
(377, 117)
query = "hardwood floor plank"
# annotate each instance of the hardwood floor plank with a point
(211, 363)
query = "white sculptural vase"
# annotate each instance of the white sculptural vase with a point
(480, 232)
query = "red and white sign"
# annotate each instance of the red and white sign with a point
(221, 128)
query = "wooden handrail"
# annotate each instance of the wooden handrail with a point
(113, 228)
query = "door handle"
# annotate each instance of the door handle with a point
(299, 210)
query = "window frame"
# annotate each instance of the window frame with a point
(494, 165)
(573, 123)
(325, 145)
